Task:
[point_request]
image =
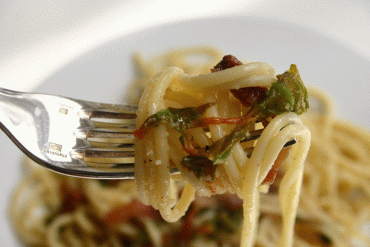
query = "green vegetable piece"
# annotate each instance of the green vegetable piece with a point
(220, 158)
(202, 167)
(178, 119)
(288, 94)
(223, 146)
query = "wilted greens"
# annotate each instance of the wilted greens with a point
(288, 94)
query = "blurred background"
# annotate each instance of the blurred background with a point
(38, 36)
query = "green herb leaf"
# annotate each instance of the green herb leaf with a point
(179, 119)
(288, 94)
(223, 146)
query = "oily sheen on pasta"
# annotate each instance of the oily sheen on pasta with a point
(160, 150)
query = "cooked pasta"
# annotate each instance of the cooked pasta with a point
(161, 149)
(48, 209)
(334, 202)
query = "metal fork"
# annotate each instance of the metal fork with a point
(76, 137)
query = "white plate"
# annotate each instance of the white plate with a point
(103, 73)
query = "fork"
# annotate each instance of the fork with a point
(76, 137)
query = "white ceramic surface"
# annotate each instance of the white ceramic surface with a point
(103, 73)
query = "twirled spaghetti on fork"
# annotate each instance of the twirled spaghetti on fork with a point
(196, 123)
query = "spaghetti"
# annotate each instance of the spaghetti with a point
(48, 209)
(236, 173)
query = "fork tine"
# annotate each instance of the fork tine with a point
(106, 116)
(96, 144)
(106, 156)
(102, 171)
(114, 135)
(104, 125)
(111, 107)
(253, 135)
